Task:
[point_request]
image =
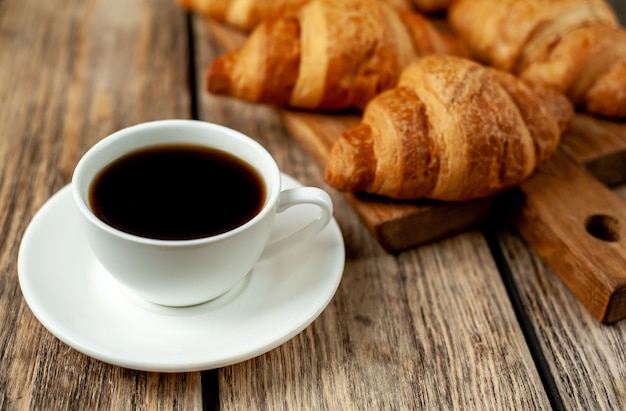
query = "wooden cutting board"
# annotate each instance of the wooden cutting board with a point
(565, 210)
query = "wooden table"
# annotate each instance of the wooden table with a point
(474, 321)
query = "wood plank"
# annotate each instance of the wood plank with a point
(74, 71)
(418, 332)
(424, 329)
(578, 226)
(585, 357)
(600, 145)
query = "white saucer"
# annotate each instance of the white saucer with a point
(78, 302)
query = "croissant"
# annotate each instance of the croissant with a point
(242, 14)
(247, 14)
(431, 5)
(334, 54)
(576, 46)
(451, 130)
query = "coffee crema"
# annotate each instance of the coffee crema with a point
(177, 192)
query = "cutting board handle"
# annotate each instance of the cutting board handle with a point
(578, 226)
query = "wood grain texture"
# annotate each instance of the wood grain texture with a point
(430, 328)
(406, 333)
(72, 72)
(600, 145)
(586, 358)
(578, 226)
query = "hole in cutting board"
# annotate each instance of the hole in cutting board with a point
(603, 227)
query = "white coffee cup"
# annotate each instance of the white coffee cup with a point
(189, 272)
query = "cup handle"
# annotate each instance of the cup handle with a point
(297, 196)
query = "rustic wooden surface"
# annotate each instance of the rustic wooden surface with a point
(474, 321)
(575, 223)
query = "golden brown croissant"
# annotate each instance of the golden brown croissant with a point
(431, 5)
(246, 14)
(243, 14)
(451, 130)
(334, 54)
(576, 46)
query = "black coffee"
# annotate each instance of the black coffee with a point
(177, 192)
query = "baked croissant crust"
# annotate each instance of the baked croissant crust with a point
(332, 55)
(576, 46)
(243, 14)
(431, 5)
(246, 14)
(451, 130)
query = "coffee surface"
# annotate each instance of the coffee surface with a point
(177, 192)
